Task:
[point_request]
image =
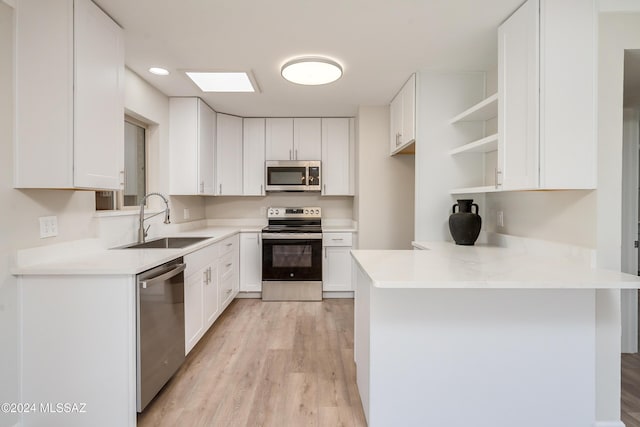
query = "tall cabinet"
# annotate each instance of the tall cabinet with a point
(69, 96)
(192, 128)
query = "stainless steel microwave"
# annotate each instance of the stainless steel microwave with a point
(292, 175)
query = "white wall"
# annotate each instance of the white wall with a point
(442, 96)
(384, 204)
(255, 207)
(559, 216)
(9, 391)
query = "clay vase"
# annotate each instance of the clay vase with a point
(465, 225)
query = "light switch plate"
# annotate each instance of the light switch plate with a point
(48, 226)
(500, 219)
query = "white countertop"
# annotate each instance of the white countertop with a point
(446, 265)
(125, 261)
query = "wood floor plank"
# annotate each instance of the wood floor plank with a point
(267, 364)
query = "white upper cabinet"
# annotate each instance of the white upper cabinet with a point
(69, 96)
(192, 128)
(279, 139)
(547, 64)
(253, 141)
(518, 99)
(338, 157)
(307, 139)
(229, 155)
(293, 139)
(403, 118)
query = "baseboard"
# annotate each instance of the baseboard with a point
(337, 294)
(617, 423)
(249, 295)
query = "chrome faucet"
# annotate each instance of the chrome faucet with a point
(142, 232)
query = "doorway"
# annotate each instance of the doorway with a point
(630, 198)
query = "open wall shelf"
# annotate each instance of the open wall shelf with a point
(484, 110)
(484, 145)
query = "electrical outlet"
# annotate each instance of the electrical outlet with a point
(186, 214)
(48, 226)
(500, 219)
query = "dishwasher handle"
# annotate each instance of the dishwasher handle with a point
(179, 268)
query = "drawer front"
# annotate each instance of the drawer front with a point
(226, 264)
(229, 245)
(200, 258)
(337, 239)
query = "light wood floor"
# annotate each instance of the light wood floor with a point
(267, 364)
(631, 389)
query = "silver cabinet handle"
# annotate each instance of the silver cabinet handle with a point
(229, 291)
(220, 189)
(324, 186)
(290, 155)
(202, 186)
(296, 152)
(498, 178)
(336, 239)
(229, 265)
(209, 274)
(205, 276)
(258, 239)
(325, 253)
(261, 191)
(228, 244)
(122, 180)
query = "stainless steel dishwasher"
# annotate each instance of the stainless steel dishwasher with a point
(160, 328)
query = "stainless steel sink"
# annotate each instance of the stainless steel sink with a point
(166, 243)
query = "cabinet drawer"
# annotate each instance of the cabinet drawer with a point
(228, 245)
(226, 264)
(200, 258)
(337, 239)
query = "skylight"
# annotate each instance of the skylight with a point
(222, 81)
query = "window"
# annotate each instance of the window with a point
(134, 186)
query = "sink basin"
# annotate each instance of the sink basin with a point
(166, 243)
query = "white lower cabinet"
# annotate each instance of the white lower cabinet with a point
(336, 264)
(250, 262)
(201, 306)
(210, 284)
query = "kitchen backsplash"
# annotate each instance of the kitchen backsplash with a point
(255, 207)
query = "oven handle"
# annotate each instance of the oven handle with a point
(286, 236)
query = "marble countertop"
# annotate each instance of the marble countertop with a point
(103, 261)
(446, 265)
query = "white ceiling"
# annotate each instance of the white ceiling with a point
(378, 42)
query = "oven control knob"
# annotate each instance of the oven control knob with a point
(306, 211)
(317, 212)
(277, 211)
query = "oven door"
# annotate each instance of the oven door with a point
(291, 257)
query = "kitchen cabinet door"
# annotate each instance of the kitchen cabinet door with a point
(336, 269)
(253, 143)
(250, 262)
(192, 126)
(408, 111)
(229, 155)
(211, 306)
(98, 98)
(74, 136)
(307, 137)
(518, 99)
(194, 326)
(206, 144)
(279, 139)
(402, 111)
(338, 157)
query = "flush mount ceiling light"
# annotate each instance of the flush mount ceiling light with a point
(158, 71)
(311, 71)
(209, 81)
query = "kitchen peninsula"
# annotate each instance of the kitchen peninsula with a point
(485, 336)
